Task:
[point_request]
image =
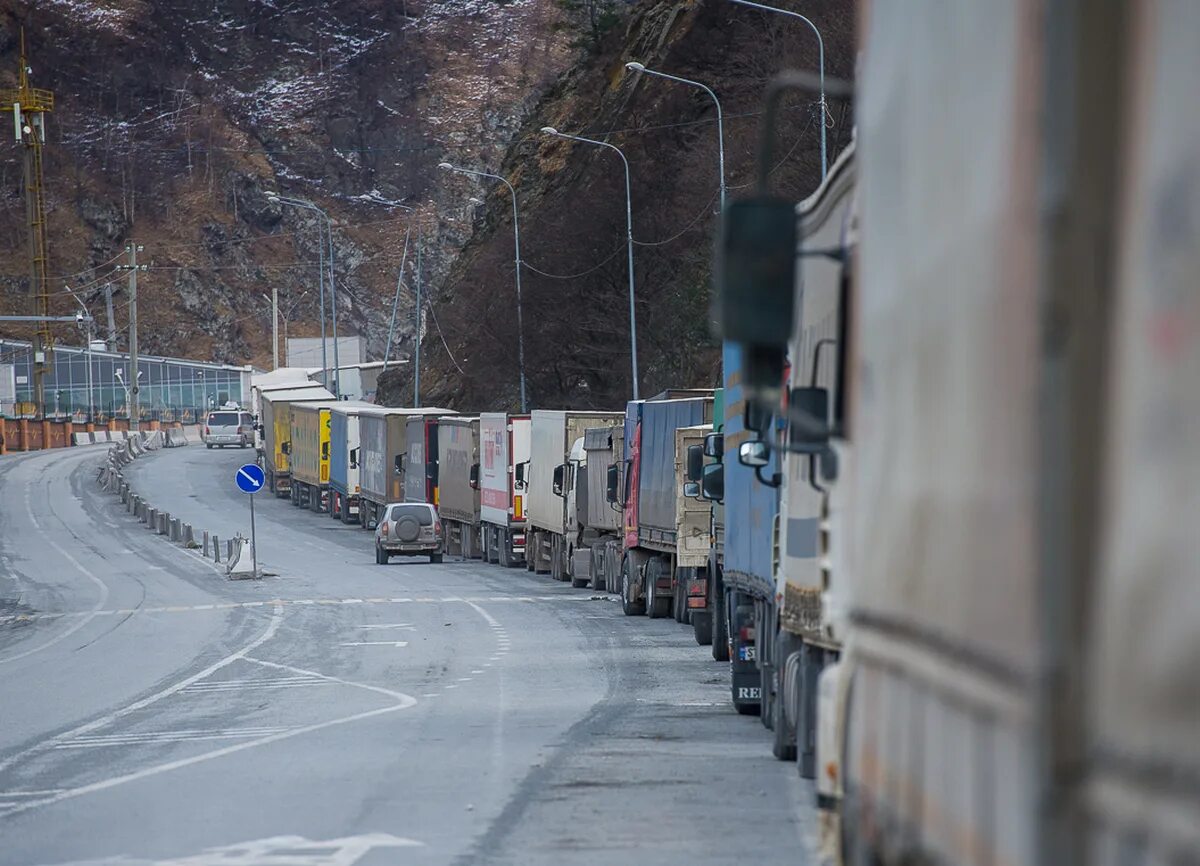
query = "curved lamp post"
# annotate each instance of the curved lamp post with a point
(550, 130)
(445, 166)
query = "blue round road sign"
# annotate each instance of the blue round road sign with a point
(250, 478)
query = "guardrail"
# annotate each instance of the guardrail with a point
(111, 478)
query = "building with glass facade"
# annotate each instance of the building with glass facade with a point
(171, 388)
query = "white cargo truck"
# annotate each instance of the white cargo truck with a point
(503, 447)
(602, 518)
(553, 534)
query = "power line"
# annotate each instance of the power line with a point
(594, 267)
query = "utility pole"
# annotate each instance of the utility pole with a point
(417, 349)
(274, 327)
(133, 250)
(387, 352)
(29, 106)
(112, 322)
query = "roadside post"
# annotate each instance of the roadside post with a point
(250, 479)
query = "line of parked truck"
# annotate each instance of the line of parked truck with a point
(939, 514)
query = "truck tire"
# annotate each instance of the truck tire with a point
(577, 581)
(679, 596)
(720, 623)
(629, 607)
(657, 606)
(599, 583)
(507, 559)
(702, 626)
(783, 742)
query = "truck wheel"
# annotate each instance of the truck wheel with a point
(596, 555)
(435, 558)
(657, 606)
(720, 624)
(629, 607)
(209, 447)
(702, 626)
(504, 553)
(783, 743)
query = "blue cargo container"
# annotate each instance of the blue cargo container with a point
(750, 505)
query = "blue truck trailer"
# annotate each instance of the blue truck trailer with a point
(651, 492)
(747, 575)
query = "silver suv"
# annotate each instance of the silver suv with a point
(409, 529)
(228, 427)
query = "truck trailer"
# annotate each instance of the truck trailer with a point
(420, 463)
(344, 444)
(651, 500)
(383, 447)
(553, 534)
(602, 517)
(503, 450)
(276, 426)
(309, 455)
(458, 485)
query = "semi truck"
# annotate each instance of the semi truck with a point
(503, 451)
(383, 447)
(650, 500)
(747, 565)
(602, 518)
(309, 455)
(344, 456)
(553, 534)
(420, 464)
(276, 427)
(283, 379)
(693, 524)
(458, 488)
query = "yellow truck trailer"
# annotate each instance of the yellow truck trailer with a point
(309, 455)
(276, 427)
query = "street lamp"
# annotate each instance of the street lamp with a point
(634, 66)
(820, 60)
(307, 205)
(445, 166)
(550, 130)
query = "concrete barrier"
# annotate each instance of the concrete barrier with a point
(240, 564)
(176, 533)
(164, 522)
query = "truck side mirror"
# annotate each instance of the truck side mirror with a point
(559, 475)
(712, 484)
(754, 453)
(286, 447)
(324, 450)
(519, 473)
(353, 458)
(398, 464)
(695, 462)
(612, 479)
(714, 445)
(691, 489)
(808, 411)
(473, 478)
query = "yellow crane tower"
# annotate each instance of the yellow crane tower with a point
(29, 106)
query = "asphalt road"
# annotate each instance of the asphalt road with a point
(340, 712)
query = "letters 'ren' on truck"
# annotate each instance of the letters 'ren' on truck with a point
(310, 455)
(420, 464)
(276, 423)
(383, 448)
(503, 454)
(652, 497)
(344, 441)
(556, 450)
(458, 485)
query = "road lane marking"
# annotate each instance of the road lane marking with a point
(392, 643)
(402, 702)
(151, 738)
(179, 686)
(468, 600)
(402, 626)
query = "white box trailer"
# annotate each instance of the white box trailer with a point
(554, 534)
(458, 484)
(602, 519)
(503, 445)
(1018, 533)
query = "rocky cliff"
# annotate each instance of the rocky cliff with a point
(571, 203)
(174, 118)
